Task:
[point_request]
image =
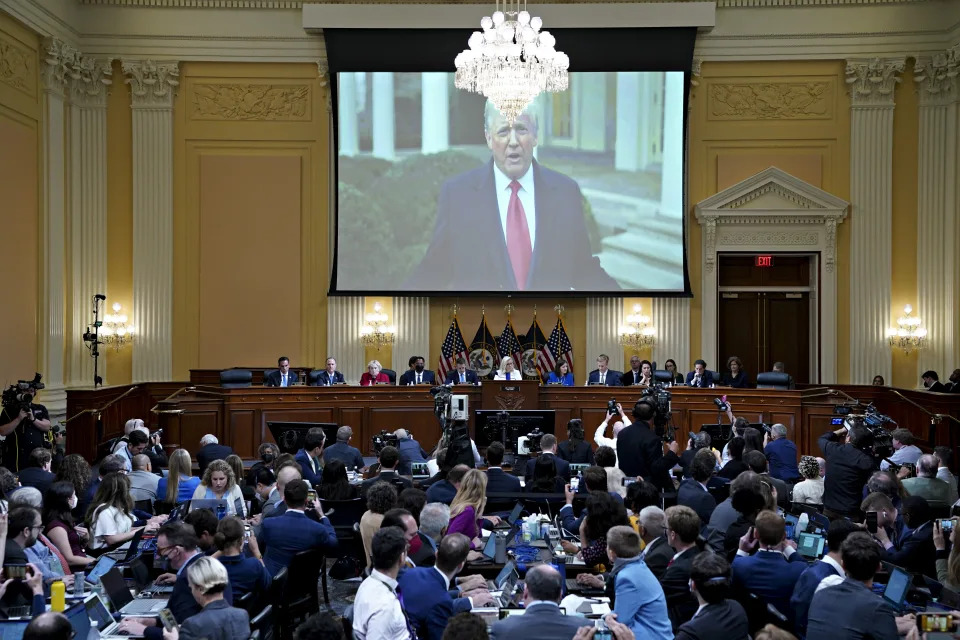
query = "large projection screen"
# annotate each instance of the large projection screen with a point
(438, 194)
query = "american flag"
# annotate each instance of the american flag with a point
(558, 346)
(509, 345)
(453, 347)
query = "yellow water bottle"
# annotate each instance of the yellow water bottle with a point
(58, 596)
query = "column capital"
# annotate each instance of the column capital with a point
(59, 58)
(152, 84)
(936, 77)
(872, 81)
(69, 73)
(695, 71)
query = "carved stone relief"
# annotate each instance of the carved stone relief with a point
(17, 67)
(250, 102)
(770, 101)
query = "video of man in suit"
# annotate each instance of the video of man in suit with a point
(438, 192)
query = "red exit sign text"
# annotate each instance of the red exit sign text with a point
(763, 261)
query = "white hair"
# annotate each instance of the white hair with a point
(26, 496)
(208, 439)
(433, 518)
(653, 520)
(134, 423)
(503, 364)
(779, 431)
(375, 363)
(400, 433)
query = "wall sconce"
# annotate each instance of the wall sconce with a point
(909, 335)
(637, 332)
(376, 332)
(115, 330)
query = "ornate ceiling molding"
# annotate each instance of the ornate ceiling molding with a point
(872, 81)
(152, 84)
(298, 4)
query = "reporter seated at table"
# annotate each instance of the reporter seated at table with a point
(334, 484)
(179, 484)
(561, 374)
(545, 478)
(498, 480)
(389, 458)
(542, 620)
(220, 483)
(461, 374)
(246, 572)
(217, 620)
(374, 375)
(508, 370)
(466, 510)
(285, 536)
(60, 526)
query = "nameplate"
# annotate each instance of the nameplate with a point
(509, 388)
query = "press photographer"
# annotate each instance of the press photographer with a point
(24, 425)
(849, 454)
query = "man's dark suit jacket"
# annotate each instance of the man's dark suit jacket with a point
(273, 378)
(681, 604)
(427, 601)
(182, 603)
(467, 208)
(938, 387)
(720, 621)
(386, 476)
(658, 556)
(612, 380)
(915, 552)
(805, 588)
(410, 377)
(210, 452)
(499, 481)
(286, 535)
(692, 495)
(851, 608)
(35, 477)
(349, 456)
(442, 491)
(563, 467)
(323, 378)
(453, 377)
(539, 622)
(306, 468)
(638, 448)
(217, 621)
(410, 451)
(426, 555)
(705, 380)
(770, 576)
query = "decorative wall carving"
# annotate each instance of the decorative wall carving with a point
(789, 238)
(67, 71)
(152, 84)
(872, 81)
(776, 189)
(937, 77)
(770, 101)
(17, 67)
(250, 102)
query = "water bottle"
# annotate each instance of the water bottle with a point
(802, 522)
(78, 584)
(58, 596)
(221, 511)
(500, 553)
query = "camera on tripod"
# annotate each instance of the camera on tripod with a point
(383, 439)
(533, 444)
(20, 396)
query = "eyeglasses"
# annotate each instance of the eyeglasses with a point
(163, 550)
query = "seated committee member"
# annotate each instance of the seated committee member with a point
(544, 243)
(641, 372)
(542, 618)
(561, 374)
(374, 375)
(330, 375)
(603, 375)
(461, 375)
(700, 377)
(508, 370)
(282, 377)
(735, 376)
(418, 374)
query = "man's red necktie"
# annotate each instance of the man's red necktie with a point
(518, 237)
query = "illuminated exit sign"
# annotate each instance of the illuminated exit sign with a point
(763, 261)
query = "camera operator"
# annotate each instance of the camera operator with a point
(638, 447)
(600, 435)
(154, 450)
(849, 466)
(25, 428)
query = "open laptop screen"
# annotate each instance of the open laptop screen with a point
(898, 585)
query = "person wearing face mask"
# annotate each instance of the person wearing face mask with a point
(417, 374)
(58, 503)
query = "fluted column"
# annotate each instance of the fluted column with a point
(938, 206)
(412, 317)
(344, 318)
(604, 316)
(671, 318)
(88, 205)
(434, 112)
(152, 86)
(872, 85)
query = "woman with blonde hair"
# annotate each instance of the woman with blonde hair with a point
(220, 483)
(374, 375)
(466, 510)
(181, 483)
(508, 370)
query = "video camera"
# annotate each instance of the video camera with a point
(879, 444)
(442, 397)
(660, 398)
(20, 396)
(533, 440)
(383, 439)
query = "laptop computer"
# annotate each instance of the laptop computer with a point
(897, 588)
(13, 629)
(123, 602)
(104, 564)
(509, 571)
(419, 470)
(507, 522)
(97, 612)
(810, 545)
(128, 552)
(205, 503)
(79, 620)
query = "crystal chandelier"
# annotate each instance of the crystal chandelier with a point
(376, 332)
(115, 330)
(637, 332)
(511, 62)
(909, 335)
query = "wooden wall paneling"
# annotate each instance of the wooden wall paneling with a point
(353, 416)
(419, 421)
(196, 424)
(241, 430)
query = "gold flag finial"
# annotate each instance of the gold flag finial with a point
(508, 308)
(559, 309)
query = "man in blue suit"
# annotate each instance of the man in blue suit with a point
(426, 589)
(286, 535)
(309, 457)
(410, 451)
(330, 375)
(543, 242)
(341, 450)
(831, 565)
(498, 480)
(768, 573)
(693, 492)
(640, 603)
(851, 607)
(700, 377)
(543, 619)
(418, 374)
(603, 375)
(461, 375)
(445, 490)
(548, 446)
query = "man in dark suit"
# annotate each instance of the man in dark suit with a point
(657, 552)
(693, 491)
(954, 385)
(931, 382)
(759, 464)
(419, 374)
(767, 573)
(426, 589)
(282, 377)
(683, 527)
(341, 450)
(286, 535)
(830, 565)
(389, 459)
(445, 489)
(638, 447)
(716, 616)
(38, 474)
(461, 375)
(498, 480)
(603, 375)
(548, 446)
(330, 375)
(542, 242)
(309, 457)
(410, 452)
(700, 377)
(915, 551)
(210, 450)
(851, 606)
(543, 620)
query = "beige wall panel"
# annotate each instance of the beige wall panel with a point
(734, 167)
(249, 273)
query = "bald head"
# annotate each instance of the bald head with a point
(927, 466)
(286, 475)
(48, 626)
(617, 428)
(140, 462)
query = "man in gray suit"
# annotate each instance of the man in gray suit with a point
(543, 619)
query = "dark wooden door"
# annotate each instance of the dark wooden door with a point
(739, 332)
(762, 328)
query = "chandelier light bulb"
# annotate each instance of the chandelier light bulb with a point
(498, 18)
(523, 17)
(486, 23)
(116, 307)
(536, 23)
(907, 309)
